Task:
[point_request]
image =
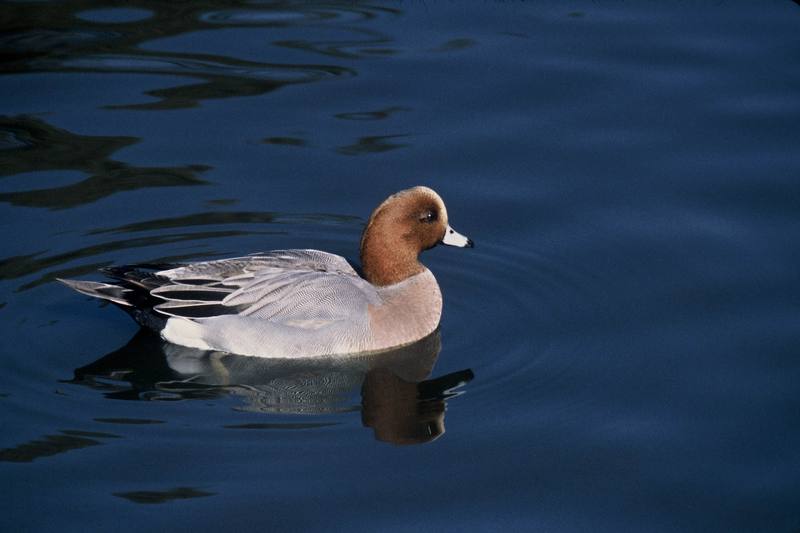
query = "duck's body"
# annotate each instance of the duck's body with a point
(293, 303)
(298, 303)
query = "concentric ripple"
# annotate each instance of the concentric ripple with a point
(526, 298)
(527, 302)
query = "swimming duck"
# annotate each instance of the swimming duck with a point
(298, 303)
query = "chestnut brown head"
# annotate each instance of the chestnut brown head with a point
(405, 224)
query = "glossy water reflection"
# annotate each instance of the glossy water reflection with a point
(398, 401)
(629, 170)
(74, 38)
(67, 440)
(152, 496)
(36, 146)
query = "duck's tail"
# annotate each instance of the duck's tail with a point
(129, 290)
(104, 291)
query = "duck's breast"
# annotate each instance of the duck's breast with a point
(408, 311)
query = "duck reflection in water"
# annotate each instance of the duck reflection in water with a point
(398, 401)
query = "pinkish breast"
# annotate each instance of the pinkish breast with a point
(410, 310)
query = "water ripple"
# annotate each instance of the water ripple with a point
(192, 65)
(223, 77)
(397, 401)
(303, 13)
(49, 445)
(373, 44)
(111, 40)
(528, 299)
(379, 114)
(235, 217)
(115, 15)
(373, 144)
(163, 496)
(40, 40)
(237, 17)
(93, 188)
(34, 146)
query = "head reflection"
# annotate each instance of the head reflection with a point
(397, 400)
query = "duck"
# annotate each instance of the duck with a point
(298, 303)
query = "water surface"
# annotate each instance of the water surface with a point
(618, 353)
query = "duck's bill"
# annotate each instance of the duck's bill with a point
(454, 238)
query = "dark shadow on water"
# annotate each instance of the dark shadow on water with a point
(67, 440)
(129, 421)
(164, 496)
(36, 146)
(234, 217)
(285, 141)
(380, 114)
(61, 37)
(454, 45)
(397, 400)
(372, 145)
(288, 425)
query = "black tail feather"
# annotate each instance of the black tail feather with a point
(129, 290)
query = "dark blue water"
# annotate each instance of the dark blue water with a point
(618, 353)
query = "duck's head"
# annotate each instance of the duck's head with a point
(405, 224)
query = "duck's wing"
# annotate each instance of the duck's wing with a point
(208, 272)
(308, 288)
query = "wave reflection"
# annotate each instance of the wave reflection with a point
(398, 401)
(33, 145)
(307, 13)
(77, 37)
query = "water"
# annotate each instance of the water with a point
(618, 353)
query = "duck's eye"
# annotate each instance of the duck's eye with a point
(428, 217)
